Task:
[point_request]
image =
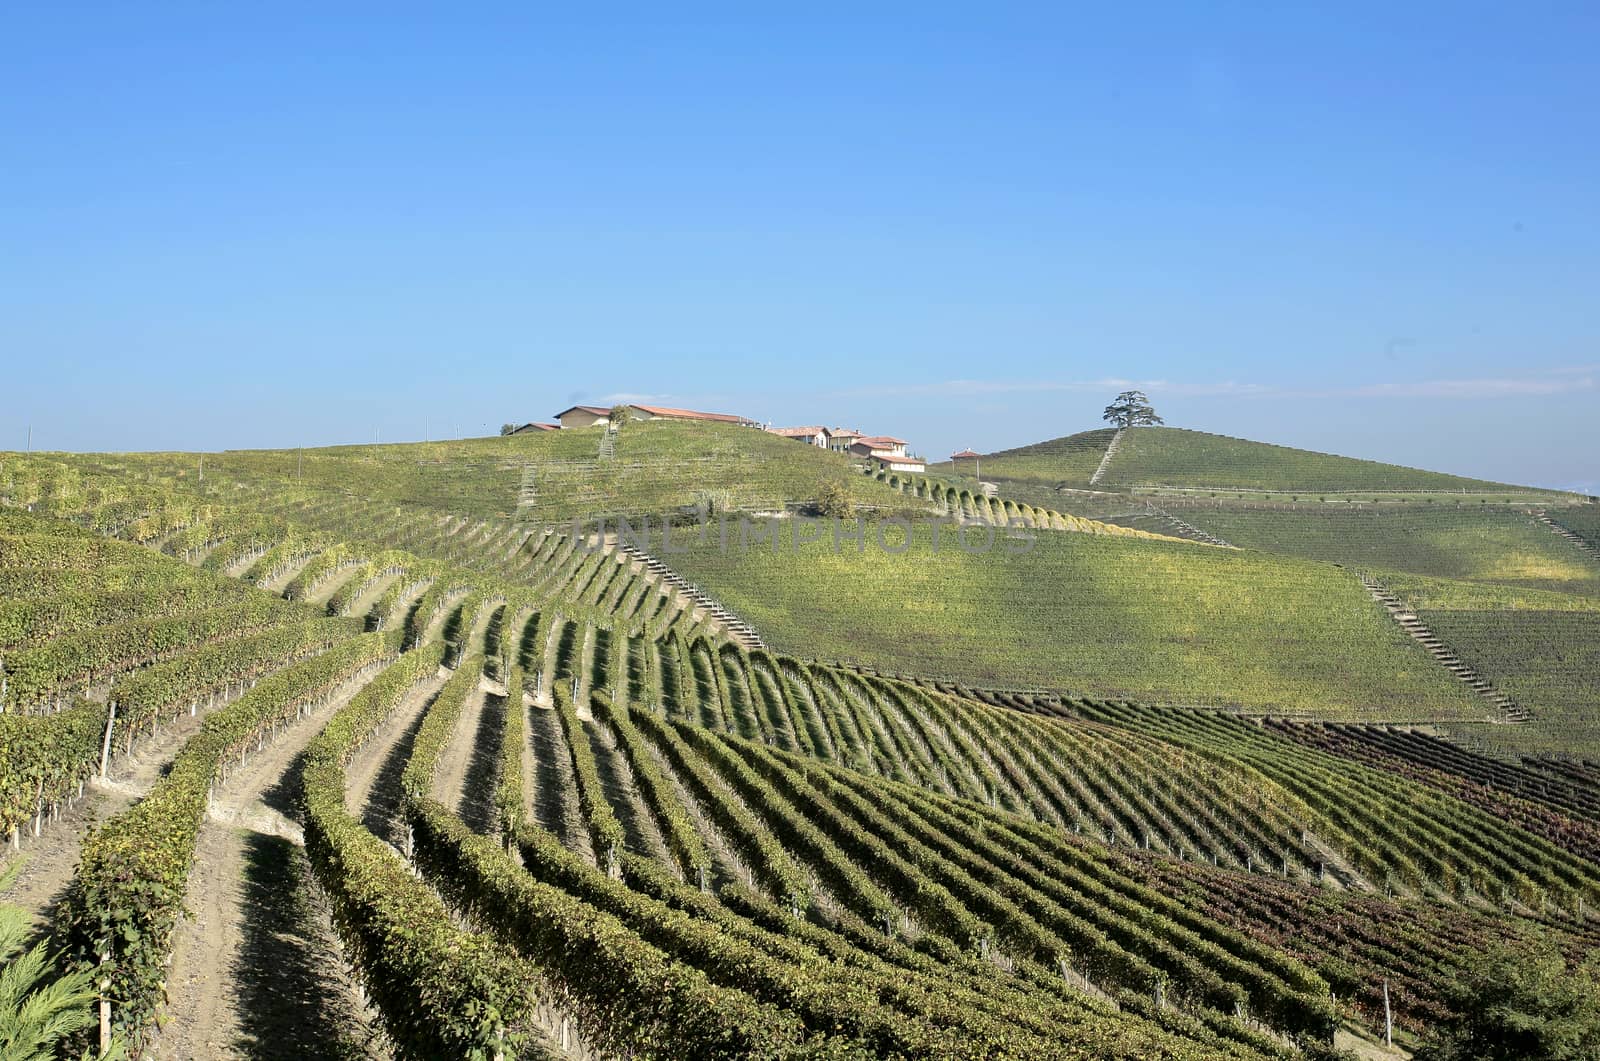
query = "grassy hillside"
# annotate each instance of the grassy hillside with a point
(774, 857)
(1474, 542)
(1178, 458)
(1582, 520)
(657, 467)
(1104, 617)
(1540, 647)
(1060, 462)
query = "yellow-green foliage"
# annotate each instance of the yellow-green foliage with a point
(1472, 542)
(1170, 456)
(1100, 616)
(658, 467)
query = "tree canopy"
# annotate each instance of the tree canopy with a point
(1520, 1003)
(1132, 409)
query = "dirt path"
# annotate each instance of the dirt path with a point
(435, 627)
(468, 769)
(256, 970)
(555, 790)
(622, 792)
(726, 866)
(372, 777)
(241, 565)
(295, 566)
(52, 857)
(330, 584)
(369, 596)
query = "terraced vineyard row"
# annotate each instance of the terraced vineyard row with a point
(1410, 839)
(1174, 457)
(960, 503)
(1113, 617)
(1493, 545)
(663, 845)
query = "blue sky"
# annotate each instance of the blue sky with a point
(1371, 229)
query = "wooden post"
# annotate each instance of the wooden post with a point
(1388, 1017)
(105, 1009)
(105, 745)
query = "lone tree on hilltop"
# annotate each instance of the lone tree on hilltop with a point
(1132, 409)
(508, 429)
(618, 414)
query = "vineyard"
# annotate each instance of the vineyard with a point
(1168, 457)
(508, 793)
(1536, 646)
(1102, 616)
(1474, 543)
(1060, 463)
(657, 467)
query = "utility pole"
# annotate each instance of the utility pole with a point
(30, 438)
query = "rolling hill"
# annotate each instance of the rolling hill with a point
(1169, 459)
(554, 803)
(551, 477)
(1096, 616)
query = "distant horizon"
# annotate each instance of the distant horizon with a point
(1590, 488)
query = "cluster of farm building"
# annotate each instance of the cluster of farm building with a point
(886, 450)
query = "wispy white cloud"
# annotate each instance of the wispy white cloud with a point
(1476, 388)
(1551, 382)
(976, 387)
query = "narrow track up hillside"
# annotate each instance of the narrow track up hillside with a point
(1509, 710)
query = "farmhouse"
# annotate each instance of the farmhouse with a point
(657, 412)
(531, 428)
(889, 451)
(589, 415)
(811, 436)
(840, 439)
(879, 446)
(583, 416)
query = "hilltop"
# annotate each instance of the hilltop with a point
(1171, 460)
(547, 477)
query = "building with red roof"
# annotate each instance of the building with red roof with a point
(589, 415)
(811, 436)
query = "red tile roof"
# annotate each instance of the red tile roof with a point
(537, 427)
(595, 409)
(880, 440)
(689, 414)
(963, 455)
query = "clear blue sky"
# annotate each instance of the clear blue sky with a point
(1366, 228)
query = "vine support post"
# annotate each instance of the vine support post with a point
(105, 1007)
(105, 745)
(1388, 1017)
